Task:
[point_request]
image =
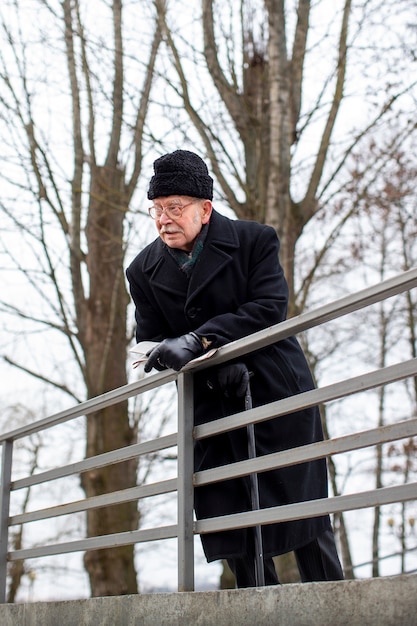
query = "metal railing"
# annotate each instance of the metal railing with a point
(186, 528)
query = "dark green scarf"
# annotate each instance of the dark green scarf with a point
(187, 260)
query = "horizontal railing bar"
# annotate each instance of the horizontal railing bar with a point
(310, 452)
(299, 510)
(95, 502)
(268, 462)
(96, 543)
(320, 315)
(94, 404)
(310, 508)
(357, 384)
(100, 460)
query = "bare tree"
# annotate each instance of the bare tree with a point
(270, 100)
(283, 77)
(266, 92)
(391, 210)
(76, 217)
(383, 224)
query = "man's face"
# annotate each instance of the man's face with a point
(180, 231)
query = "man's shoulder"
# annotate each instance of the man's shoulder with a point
(149, 255)
(247, 230)
(253, 226)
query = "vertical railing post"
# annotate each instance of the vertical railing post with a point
(6, 473)
(185, 483)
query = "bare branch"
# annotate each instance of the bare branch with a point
(87, 78)
(38, 376)
(229, 94)
(79, 157)
(297, 60)
(113, 151)
(142, 110)
(309, 203)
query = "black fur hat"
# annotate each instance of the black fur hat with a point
(180, 173)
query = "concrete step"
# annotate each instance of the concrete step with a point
(390, 601)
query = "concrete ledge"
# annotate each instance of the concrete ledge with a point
(390, 601)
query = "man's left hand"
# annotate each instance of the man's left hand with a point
(174, 353)
(234, 379)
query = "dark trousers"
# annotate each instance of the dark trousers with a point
(316, 561)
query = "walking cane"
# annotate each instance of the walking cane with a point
(254, 492)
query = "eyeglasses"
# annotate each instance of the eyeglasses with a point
(173, 210)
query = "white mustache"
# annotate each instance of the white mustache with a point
(169, 231)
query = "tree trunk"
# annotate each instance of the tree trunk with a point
(339, 520)
(111, 570)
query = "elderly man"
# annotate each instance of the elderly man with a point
(205, 281)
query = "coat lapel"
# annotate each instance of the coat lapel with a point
(221, 239)
(164, 274)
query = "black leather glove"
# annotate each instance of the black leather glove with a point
(233, 379)
(174, 353)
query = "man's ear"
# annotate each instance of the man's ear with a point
(207, 208)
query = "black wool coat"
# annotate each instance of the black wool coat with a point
(237, 287)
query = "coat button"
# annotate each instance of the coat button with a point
(193, 312)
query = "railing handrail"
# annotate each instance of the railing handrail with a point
(315, 317)
(309, 452)
(276, 409)
(349, 386)
(186, 480)
(100, 460)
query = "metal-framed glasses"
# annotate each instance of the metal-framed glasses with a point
(174, 211)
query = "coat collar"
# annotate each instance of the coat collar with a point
(164, 273)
